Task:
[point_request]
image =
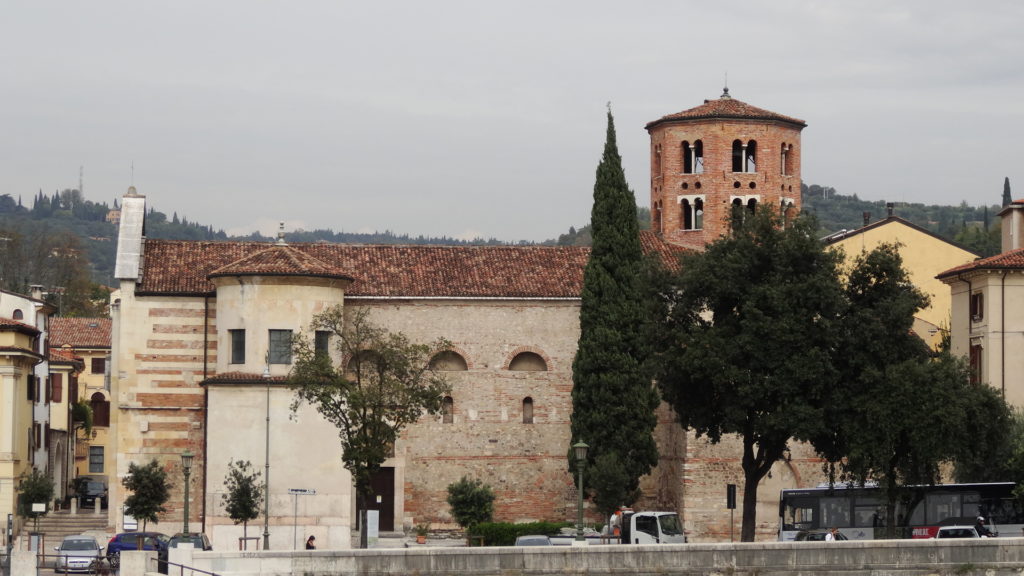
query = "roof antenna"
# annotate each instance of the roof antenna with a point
(131, 177)
(725, 91)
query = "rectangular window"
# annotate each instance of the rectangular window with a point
(322, 342)
(95, 459)
(237, 346)
(280, 350)
(56, 385)
(975, 363)
(977, 307)
(31, 387)
(98, 365)
(46, 390)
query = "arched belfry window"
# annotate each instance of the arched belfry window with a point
(744, 156)
(693, 157)
(19, 315)
(752, 205)
(656, 216)
(691, 210)
(787, 209)
(786, 162)
(657, 160)
(737, 212)
(528, 362)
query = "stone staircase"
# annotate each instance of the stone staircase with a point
(57, 525)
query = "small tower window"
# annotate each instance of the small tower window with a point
(787, 159)
(527, 410)
(752, 205)
(657, 160)
(19, 315)
(744, 156)
(447, 410)
(977, 307)
(693, 157)
(656, 217)
(691, 210)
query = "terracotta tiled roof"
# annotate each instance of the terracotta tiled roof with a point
(1012, 260)
(280, 260)
(62, 356)
(80, 332)
(9, 324)
(726, 107)
(668, 253)
(180, 267)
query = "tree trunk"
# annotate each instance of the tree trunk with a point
(758, 458)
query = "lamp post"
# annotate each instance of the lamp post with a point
(266, 474)
(186, 466)
(579, 450)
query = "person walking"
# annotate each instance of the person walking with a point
(311, 543)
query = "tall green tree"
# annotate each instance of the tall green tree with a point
(243, 494)
(150, 489)
(613, 399)
(1007, 197)
(471, 502)
(385, 384)
(746, 332)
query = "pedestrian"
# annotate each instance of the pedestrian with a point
(832, 535)
(311, 543)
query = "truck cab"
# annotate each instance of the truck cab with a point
(651, 528)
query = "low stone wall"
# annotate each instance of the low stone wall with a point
(988, 557)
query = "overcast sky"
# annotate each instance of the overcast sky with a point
(487, 119)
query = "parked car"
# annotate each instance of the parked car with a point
(816, 535)
(198, 540)
(90, 490)
(77, 554)
(533, 540)
(957, 532)
(130, 541)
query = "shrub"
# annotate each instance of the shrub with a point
(471, 502)
(505, 533)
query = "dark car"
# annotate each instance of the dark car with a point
(90, 490)
(533, 540)
(816, 536)
(130, 541)
(198, 540)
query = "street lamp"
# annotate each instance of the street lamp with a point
(186, 466)
(579, 450)
(266, 474)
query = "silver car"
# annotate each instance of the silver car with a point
(77, 554)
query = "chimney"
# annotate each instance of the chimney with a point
(867, 218)
(1012, 224)
(889, 206)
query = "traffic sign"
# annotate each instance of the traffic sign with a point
(302, 491)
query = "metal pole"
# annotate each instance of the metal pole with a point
(266, 474)
(579, 505)
(295, 522)
(187, 470)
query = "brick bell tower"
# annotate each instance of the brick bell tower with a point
(721, 157)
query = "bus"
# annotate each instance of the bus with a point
(859, 511)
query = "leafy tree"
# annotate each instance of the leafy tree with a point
(746, 331)
(386, 384)
(471, 502)
(889, 379)
(244, 494)
(33, 487)
(81, 415)
(1007, 196)
(150, 490)
(613, 400)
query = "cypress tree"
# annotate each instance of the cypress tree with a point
(1007, 198)
(613, 397)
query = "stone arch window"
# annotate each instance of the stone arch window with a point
(100, 410)
(656, 216)
(527, 410)
(657, 160)
(692, 212)
(744, 156)
(447, 410)
(787, 210)
(786, 163)
(528, 362)
(752, 205)
(737, 212)
(693, 157)
(448, 361)
(18, 314)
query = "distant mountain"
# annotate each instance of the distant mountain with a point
(27, 233)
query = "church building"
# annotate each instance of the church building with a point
(201, 339)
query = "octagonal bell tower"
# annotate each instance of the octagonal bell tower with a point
(720, 157)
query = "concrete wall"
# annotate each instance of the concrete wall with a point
(990, 557)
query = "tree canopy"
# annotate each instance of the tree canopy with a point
(243, 494)
(34, 487)
(745, 335)
(384, 384)
(613, 398)
(150, 490)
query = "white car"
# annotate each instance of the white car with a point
(77, 554)
(957, 532)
